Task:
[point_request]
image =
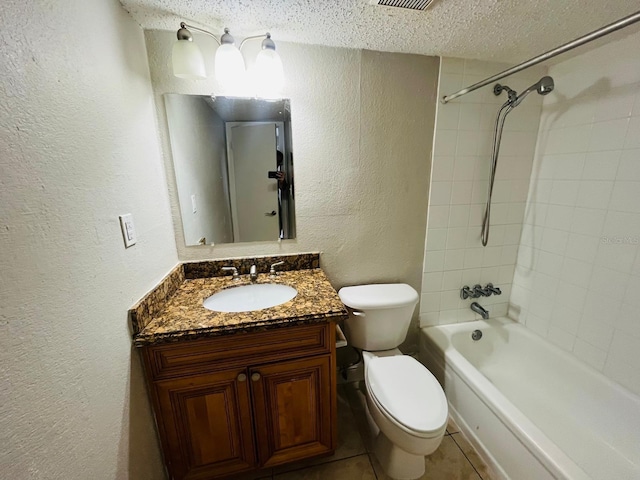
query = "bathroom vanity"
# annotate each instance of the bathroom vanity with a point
(239, 391)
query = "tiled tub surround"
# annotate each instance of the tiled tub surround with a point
(174, 311)
(577, 280)
(454, 255)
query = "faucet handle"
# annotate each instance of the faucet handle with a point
(493, 290)
(466, 292)
(480, 292)
(236, 276)
(272, 270)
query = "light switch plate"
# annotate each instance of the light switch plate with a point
(128, 230)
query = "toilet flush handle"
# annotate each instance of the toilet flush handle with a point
(358, 313)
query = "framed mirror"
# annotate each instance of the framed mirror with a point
(233, 165)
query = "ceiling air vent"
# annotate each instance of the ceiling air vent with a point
(410, 4)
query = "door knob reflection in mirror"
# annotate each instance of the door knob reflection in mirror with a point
(272, 213)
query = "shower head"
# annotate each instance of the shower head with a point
(544, 86)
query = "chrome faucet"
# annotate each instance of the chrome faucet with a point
(234, 270)
(253, 273)
(476, 307)
(272, 270)
(479, 291)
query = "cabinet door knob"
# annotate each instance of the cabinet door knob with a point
(255, 377)
(242, 377)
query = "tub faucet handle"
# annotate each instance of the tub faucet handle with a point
(478, 291)
(493, 290)
(466, 292)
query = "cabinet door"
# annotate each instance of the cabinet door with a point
(206, 424)
(294, 414)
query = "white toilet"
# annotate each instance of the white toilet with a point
(404, 399)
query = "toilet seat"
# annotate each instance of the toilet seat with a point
(409, 394)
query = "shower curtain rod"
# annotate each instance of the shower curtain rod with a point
(624, 22)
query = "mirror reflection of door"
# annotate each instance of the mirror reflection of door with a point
(254, 196)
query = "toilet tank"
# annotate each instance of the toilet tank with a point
(379, 314)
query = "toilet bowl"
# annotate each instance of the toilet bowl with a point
(407, 404)
(405, 401)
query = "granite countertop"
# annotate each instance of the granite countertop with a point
(184, 317)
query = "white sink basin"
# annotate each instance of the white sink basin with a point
(246, 298)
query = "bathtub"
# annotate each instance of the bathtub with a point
(533, 411)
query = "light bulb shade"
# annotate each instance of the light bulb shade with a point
(268, 73)
(188, 61)
(229, 64)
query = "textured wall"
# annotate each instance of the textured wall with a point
(79, 146)
(454, 255)
(578, 273)
(362, 138)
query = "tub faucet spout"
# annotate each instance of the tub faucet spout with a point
(476, 307)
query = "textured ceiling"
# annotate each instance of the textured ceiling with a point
(506, 30)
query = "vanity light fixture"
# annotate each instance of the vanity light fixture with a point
(188, 61)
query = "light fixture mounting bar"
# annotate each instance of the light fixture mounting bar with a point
(198, 29)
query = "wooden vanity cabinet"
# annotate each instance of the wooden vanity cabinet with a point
(245, 401)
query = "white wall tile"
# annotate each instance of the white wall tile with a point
(633, 134)
(452, 280)
(448, 117)
(582, 247)
(454, 260)
(608, 135)
(629, 165)
(564, 192)
(460, 173)
(579, 250)
(561, 338)
(442, 170)
(432, 282)
(589, 354)
(624, 197)
(588, 221)
(459, 216)
(434, 261)
(445, 142)
(456, 238)
(461, 193)
(594, 194)
(601, 165)
(623, 360)
(438, 216)
(440, 193)
(430, 302)
(436, 239)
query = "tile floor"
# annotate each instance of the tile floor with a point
(454, 460)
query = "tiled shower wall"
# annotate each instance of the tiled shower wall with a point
(454, 255)
(577, 280)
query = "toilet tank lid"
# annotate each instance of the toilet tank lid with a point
(377, 296)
